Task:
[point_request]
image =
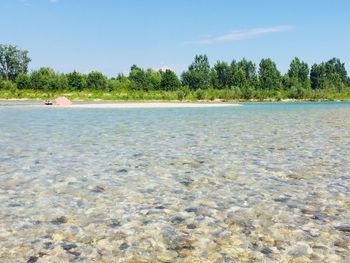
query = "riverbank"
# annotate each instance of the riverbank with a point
(210, 95)
(137, 105)
(177, 102)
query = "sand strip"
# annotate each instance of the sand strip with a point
(149, 105)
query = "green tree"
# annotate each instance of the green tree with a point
(76, 81)
(121, 83)
(335, 66)
(47, 80)
(224, 75)
(169, 81)
(269, 76)
(249, 70)
(12, 62)
(298, 70)
(23, 81)
(198, 74)
(318, 76)
(96, 81)
(152, 79)
(298, 74)
(329, 75)
(137, 77)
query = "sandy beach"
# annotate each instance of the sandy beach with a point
(124, 105)
(149, 105)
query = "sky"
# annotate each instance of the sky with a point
(112, 35)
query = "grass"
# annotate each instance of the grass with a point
(180, 95)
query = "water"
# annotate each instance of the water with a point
(263, 182)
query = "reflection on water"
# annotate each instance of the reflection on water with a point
(260, 182)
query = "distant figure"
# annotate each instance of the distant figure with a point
(48, 102)
(62, 101)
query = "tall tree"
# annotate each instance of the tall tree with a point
(223, 74)
(76, 81)
(318, 76)
(13, 62)
(198, 74)
(23, 81)
(169, 81)
(137, 77)
(96, 81)
(298, 74)
(298, 70)
(269, 76)
(46, 79)
(249, 69)
(152, 79)
(335, 66)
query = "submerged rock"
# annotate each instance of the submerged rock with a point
(191, 210)
(281, 199)
(124, 246)
(177, 220)
(343, 228)
(115, 223)
(306, 211)
(68, 246)
(266, 251)
(341, 243)
(186, 182)
(32, 259)
(60, 220)
(99, 189)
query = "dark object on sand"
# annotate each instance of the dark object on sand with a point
(48, 102)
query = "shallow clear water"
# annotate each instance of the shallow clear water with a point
(263, 182)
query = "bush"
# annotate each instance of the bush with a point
(200, 94)
(181, 95)
(8, 85)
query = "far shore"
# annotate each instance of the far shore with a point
(136, 105)
(216, 101)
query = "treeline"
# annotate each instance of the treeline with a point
(236, 80)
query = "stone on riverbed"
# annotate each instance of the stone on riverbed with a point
(60, 220)
(343, 228)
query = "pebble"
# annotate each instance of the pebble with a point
(60, 220)
(177, 220)
(99, 189)
(343, 228)
(341, 243)
(123, 246)
(32, 259)
(191, 210)
(266, 251)
(186, 182)
(68, 246)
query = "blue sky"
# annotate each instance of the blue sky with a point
(111, 35)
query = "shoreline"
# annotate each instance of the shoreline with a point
(135, 105)
(148, 105)
(216, 101)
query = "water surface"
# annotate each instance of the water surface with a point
(263, 182)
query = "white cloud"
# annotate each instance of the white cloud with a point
(240, 35)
